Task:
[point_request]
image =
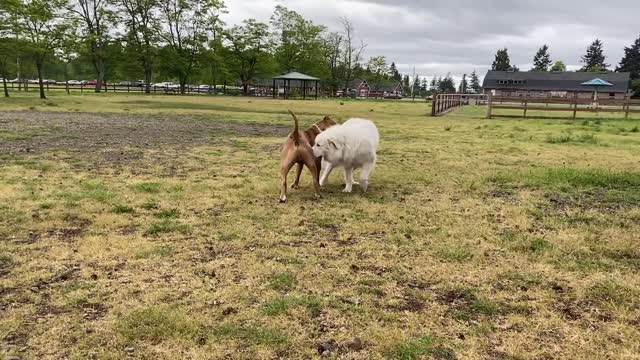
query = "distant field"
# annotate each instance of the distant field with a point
(149, 227)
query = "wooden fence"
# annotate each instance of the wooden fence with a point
(116, 88)
(572, 105)
(443, 103)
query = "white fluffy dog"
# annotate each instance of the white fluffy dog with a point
(351, 145)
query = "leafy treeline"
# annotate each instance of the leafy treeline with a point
(184, 41)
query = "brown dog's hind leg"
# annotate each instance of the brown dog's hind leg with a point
(284, 171)
(296, 183)
(310, 162)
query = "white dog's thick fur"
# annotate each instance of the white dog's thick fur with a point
(351, 145)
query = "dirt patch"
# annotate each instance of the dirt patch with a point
(118, 138)
(94, 311)
(408, 304)
(65, 275)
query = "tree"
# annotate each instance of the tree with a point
(502, 62)
(542, 60)
(351, 52)
(332, 54)
(594, 59)
(447, 85)
(393, 72)
(433, 86)
(464, 85)
(474, 84)
(249, 50)
(40, 22)
(142, 32)
(298, 42)
(378, 67)
(559, 66)
(631, 60)
(8, 47)
(405, 82)
(96, 19)
(188, 24)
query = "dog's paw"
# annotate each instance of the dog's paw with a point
(346, 190)
(283, 199)
(295, 186)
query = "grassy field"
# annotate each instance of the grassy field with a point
(149, 227)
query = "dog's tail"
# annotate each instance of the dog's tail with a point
(296, 133)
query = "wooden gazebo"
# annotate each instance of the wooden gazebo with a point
(302, 80)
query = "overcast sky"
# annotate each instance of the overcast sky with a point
(458, 36)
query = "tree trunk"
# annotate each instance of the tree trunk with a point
(100, 74)
(18, 74)
(183, 82)
(148, 73)
(66, 77)
(39, 66)
(4, 84)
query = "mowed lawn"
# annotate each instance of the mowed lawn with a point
(149, 227)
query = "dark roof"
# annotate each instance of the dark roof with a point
(385, 86)
(295, 76)
(354, 84)
(556, 81)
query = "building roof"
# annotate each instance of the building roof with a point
(556, 81)
(295, 76)
(386, 85)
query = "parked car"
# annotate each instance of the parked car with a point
(74, 82)
(165, 85)
(205, 88)
(31, 81)
(91, 82)
(124, 83)
(138, 83)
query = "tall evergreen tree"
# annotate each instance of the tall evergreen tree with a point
(594, 59)
(447, 85)
(542, 60)
(394, 73)
(631, 60)
(405, 82)
(464, 85)
(475, 86)
(502, 62)
(433, 86)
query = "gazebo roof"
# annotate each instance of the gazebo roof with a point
(295, 76)
(597, 82)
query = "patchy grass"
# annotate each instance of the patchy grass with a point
(412, 350)
(167, 238)
(282, 281)
(568, 138)
(157, 324)
(167, 226)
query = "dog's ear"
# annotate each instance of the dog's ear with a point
(327, 117)
(334, 144)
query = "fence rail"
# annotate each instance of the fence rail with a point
(573, 105)
(443, 103)
(116, 88)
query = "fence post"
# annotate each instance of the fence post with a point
(526, 103)
(433, 105)
(575, 104)
(489, 104)
(81, 88)
(626, 105)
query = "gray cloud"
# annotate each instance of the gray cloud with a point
(440, 36)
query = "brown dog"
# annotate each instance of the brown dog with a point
(299, 150)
